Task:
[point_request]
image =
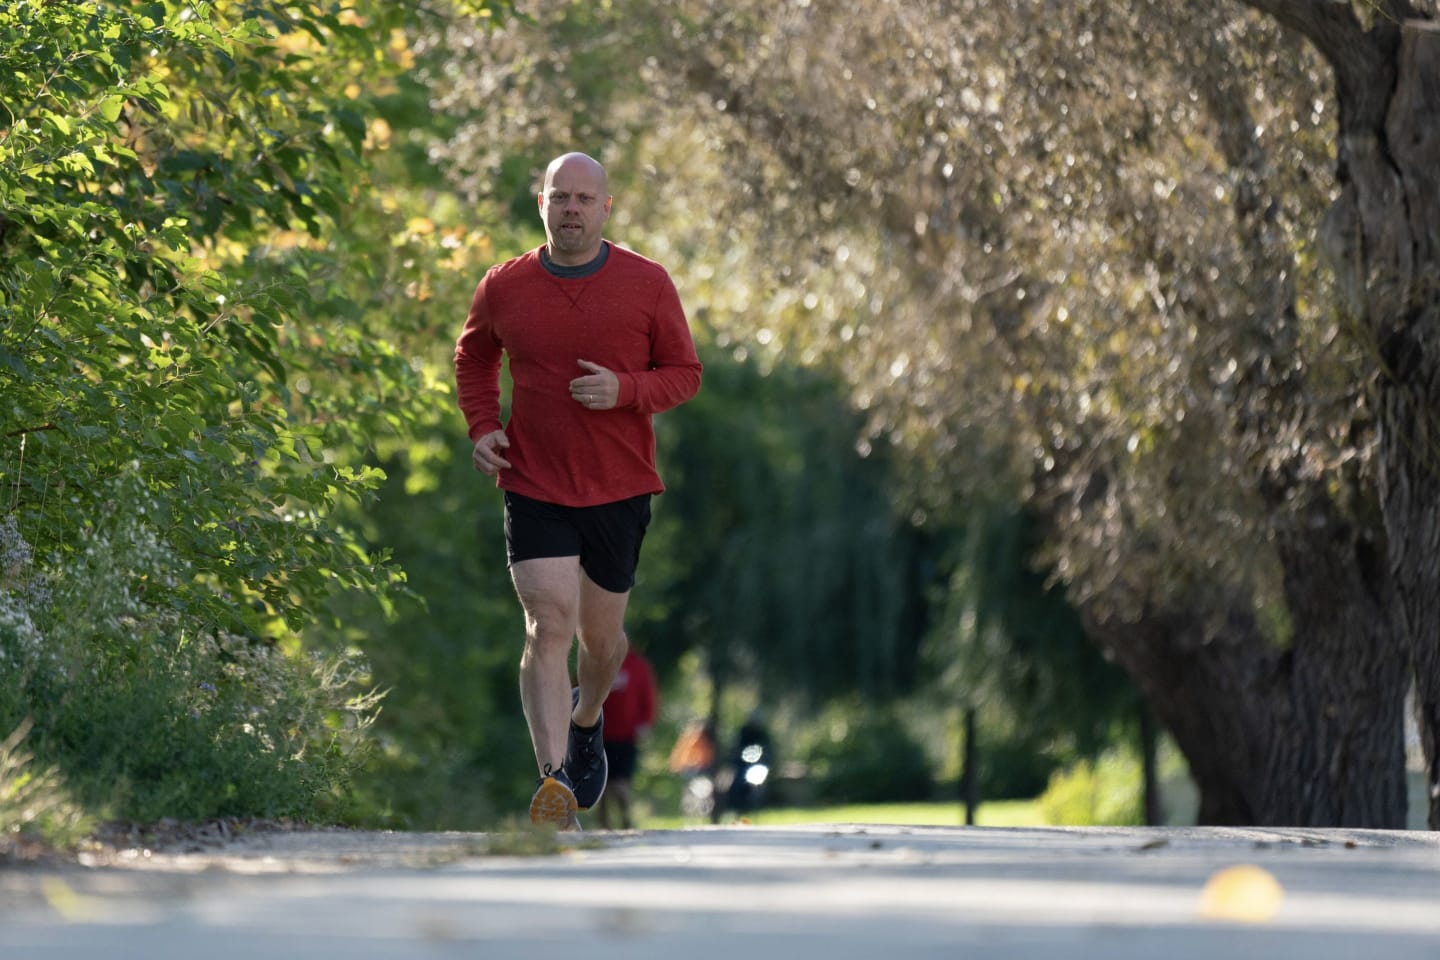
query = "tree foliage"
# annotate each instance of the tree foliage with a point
(186, 342)
(1100, 236)
(161, 167)
(1070, 254)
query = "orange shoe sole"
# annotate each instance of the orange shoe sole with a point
(554, 803)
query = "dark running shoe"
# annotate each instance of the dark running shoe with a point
(585, 760)
(554, 800)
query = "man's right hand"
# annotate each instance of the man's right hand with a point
(487, 457)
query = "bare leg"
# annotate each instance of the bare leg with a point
(602, 647)
(549, 591)
(614, 806)
(621, 790)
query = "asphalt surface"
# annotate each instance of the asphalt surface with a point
(744, 892)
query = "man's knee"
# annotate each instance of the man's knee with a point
(547, 637)
(549, 620)
(606, 644)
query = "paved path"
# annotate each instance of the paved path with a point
(747, 892)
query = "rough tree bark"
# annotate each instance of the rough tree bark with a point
(1383, 236)
(1304, 735)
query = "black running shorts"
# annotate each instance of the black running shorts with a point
(606, 537)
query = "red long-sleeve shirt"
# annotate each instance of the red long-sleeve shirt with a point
(633, 700)
(626, 317)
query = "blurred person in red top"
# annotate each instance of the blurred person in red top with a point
(597, 343)
(630, 712)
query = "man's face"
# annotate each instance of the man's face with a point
(575, 207)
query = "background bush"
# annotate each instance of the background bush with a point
(856, 754)
(1103, 792)
(149, 713)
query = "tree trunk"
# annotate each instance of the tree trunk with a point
(1259, 755)
(1308, 734)
(969, 769)
(1150, 770)
(1199, 688)
(1347, 670)
(719, 666)
(1383, 235)
(1408, 484)
(1410, 385)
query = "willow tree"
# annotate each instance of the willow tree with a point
(1328, 400)
(1080, 206)
(1148, 265)
(1087, 234)
(791, 561)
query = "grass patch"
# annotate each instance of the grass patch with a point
(1003, 813)
(34, 807)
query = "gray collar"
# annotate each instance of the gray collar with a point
(576, 272)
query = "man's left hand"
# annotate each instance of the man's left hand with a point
(597, 390)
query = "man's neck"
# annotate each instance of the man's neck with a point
(572, 271)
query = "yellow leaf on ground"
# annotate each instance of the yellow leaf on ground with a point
(1244, 894)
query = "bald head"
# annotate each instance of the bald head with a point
(580, 163)
(574, 204)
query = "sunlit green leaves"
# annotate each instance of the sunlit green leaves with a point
(148, 148)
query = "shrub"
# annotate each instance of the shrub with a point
(1106, 792)
(856, 754)
(1013, 768)
(149, 712)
